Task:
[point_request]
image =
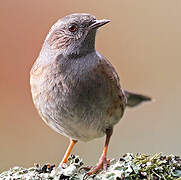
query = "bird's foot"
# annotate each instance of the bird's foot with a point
(102, 165)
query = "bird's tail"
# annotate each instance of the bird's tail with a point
(134, 99)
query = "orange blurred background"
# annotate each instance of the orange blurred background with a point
(142, 41)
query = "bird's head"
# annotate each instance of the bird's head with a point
(74, 34)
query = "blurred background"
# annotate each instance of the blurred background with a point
(142, 41)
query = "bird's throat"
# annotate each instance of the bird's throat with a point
(84, 47)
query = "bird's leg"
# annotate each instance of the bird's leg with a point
(69, 149)
(103, 162)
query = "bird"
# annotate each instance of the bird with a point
(75, 89)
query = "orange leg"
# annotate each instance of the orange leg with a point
(69, 149)
(103, 162)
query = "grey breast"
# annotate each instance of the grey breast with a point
(75, 97)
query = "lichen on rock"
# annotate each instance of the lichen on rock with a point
(128, 167)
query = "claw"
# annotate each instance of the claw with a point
(87, 168)
(102, 165)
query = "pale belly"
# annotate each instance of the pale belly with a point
(77, 116)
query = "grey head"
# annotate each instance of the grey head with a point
(74, 34)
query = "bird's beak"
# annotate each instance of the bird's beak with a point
(98, 23)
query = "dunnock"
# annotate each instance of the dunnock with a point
(75, 89)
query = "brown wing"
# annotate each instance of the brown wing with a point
(119, 98)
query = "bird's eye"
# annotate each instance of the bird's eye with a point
(73, 28)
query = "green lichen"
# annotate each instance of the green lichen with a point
(128, 167)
